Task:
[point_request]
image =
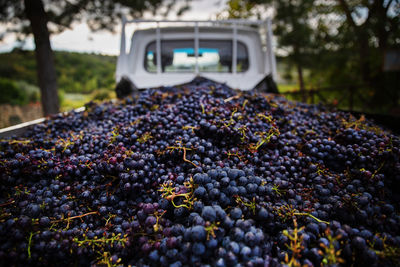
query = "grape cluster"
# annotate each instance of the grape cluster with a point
(201, 175)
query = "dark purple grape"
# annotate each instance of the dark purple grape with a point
(198, 233)
(200, 175)
(209, 214)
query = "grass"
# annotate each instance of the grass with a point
(75, 100)
(283, 88)
(72, 101)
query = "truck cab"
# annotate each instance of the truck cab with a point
(236, 52)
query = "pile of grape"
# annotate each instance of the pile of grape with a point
(201, 175)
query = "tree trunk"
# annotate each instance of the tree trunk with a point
(301, 82)
(46, 72)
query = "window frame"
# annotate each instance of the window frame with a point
(154, 42)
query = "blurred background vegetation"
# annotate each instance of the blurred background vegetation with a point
(343, 53)
(81, 78)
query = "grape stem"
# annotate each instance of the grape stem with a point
(68, 219)
(7, 203)
(30, 243)
(310, 215)
(180, 147)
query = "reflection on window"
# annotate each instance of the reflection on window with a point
(151, 61)
(221, 52)
(179, 56)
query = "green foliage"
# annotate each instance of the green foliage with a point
(11, 93)
(81, 78)
(32, 17)
(32, 91)
(61, 96)
(77, 72)
(84, 73)
(239, 9)
(62, 14)
(336, 45)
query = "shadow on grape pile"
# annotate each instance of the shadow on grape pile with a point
(201, 175)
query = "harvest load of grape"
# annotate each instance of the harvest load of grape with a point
(201, 175)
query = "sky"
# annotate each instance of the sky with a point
(81, 39)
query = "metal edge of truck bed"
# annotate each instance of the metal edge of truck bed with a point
(19, 129)
(385, 121)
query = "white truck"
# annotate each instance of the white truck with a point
(236, 52)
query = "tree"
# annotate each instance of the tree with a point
(339, 41)
(44, 17)
(375, 26)
(291, 24)
(357, 35)
(295, 34)
(238, 9)
(36, 14)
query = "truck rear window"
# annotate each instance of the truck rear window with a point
(179, 56)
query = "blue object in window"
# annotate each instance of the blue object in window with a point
(190, 51)
(184, 50)
(208, 50)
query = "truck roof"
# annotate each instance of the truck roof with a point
(249, 59)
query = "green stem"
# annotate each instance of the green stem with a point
(30, 244)
(311, 216)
